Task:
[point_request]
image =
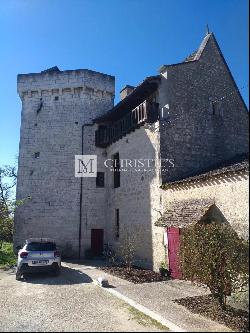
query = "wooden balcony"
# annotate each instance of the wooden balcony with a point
(146, 112)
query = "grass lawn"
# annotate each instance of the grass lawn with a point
(145, 320)
(7, 256)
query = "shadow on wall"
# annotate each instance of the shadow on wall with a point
(67, 250)
(214, 214)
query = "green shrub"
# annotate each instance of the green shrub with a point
(128, 249)
(7, 256)
(6, 229)
(214, 255)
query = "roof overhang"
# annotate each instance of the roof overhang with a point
(225, 169)
(183, 213)
(140, 93)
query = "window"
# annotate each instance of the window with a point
(116, 160)
(214, 108)
(100, 179)
(117, 223)
(217, 108)
(37, 154)
(40, 106)
(37, 246)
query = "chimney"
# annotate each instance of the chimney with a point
(127, 90)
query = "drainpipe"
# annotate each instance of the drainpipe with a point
(80, 209)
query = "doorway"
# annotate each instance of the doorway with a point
(97, 242)
(173, 252)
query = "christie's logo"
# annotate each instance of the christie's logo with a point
(142, 164)
(85, 165)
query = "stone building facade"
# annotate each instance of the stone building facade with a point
(180, 123)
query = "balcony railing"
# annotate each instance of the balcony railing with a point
(145, 112)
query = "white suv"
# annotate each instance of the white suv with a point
(38, 255)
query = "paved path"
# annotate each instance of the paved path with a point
(68, 303)
(158, 297)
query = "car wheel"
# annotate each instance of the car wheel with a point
(18, 276)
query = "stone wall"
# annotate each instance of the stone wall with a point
(53, 130)
(230, 194)
(137, 198)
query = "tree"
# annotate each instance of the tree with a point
(213, 254)
(7, 203)
(128, 248)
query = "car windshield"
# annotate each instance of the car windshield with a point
(35, 246)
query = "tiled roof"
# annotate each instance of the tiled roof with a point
(239, 164)
(183, 213)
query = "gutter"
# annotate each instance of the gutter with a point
(80, 201)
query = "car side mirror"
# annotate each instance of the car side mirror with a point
(18, 247)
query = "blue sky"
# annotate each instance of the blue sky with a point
(126, 38)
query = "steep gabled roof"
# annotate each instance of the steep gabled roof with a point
(195, 57)
(150, 84)
(145, 89)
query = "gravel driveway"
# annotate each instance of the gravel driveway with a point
(68, 303)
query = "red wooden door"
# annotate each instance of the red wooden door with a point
(97, 242)
(173, 252)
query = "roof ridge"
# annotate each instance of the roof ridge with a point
(231, 166)
(202, 46)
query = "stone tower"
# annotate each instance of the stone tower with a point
(55, 106)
